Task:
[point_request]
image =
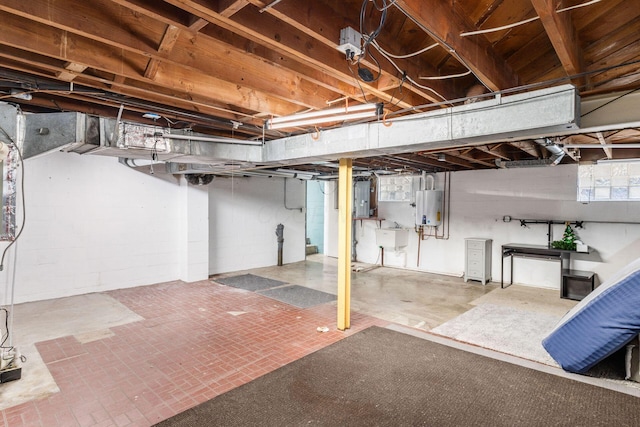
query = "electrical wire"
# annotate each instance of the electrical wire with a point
(546, 83)
(503, 27)
(409, 55)
(24, 214)
(589, 3)
(610, 101)
(370, 37)
(384, 7)
(413, 82)
(398, 89)
(5, 336)
(525, 21)
(450, 76)
(364, 95)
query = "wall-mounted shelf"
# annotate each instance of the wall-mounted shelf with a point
(371, 218)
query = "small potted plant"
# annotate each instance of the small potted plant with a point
(568, 241)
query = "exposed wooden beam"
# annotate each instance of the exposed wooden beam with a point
(266, 86)
(562, 34)
(318, 21)
(71, 70)
(169, 40)
(602, 141)
(228, 8)
(468, 156)
(446, 24)
(458, 158)
(197, 24)
(133, 89)
(436, 164)
(497, 151)
(528, 147)
(272, 32)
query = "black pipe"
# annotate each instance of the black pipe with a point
(280, 235)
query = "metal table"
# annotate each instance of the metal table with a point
(544, 252)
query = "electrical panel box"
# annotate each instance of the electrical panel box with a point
(429, 207)
(361, 197)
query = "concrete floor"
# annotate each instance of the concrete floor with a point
(417, 301)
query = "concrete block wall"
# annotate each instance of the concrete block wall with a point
(243, 215)
(315, 213)
(480, 200)
(92, 225)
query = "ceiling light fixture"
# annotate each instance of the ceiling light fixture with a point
(361, 111)
(220, 139)
(614, 161)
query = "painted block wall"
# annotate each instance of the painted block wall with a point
(480, 199)
(331, 219)
(194, 232)
(243, 215)
(92, 225)
(315, 214)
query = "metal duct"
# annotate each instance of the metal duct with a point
(524, 163)
(557, 153)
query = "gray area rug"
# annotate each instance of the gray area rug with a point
(298, 296)
(505, 329)
(380, 377)
(250, 282)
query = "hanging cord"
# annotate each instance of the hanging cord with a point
(5, 333)
(24, 212)
(369, 38)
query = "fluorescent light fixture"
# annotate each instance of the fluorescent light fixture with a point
(621, 145)
(605, 161)
(210, 139)
(360, 111)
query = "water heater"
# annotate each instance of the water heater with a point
(429, 207)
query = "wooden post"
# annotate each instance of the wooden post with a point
(345, 197)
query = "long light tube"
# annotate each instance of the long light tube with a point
(621, 145)
(222, 140)
(360, 111)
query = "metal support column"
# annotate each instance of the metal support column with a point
(345, 197)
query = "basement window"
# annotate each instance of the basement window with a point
(609, 181)
(395, 188)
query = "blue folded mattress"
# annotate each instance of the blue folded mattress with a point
(599, 325)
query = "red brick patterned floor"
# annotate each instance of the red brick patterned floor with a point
(192, 346)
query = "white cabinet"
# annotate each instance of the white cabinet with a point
(477, 259)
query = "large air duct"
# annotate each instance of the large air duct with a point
(557, 153)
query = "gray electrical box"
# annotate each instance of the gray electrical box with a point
(361, 197)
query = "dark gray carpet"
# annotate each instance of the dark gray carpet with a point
(298, 296)
(380, 377)
(250, 282)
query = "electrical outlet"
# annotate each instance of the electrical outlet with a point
(350, 42)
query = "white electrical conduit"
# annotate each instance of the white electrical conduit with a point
(409, 55)
(450, 76)
(285, 199)
(526, 21)
(388, 58)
